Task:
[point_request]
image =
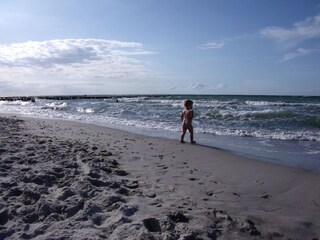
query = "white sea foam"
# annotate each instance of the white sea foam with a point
(85, 110)
(264, 103)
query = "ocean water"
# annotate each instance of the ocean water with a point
(280, 129)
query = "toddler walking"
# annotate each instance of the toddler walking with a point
(186, 118)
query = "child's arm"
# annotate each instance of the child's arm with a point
(190, 114)
(182, 115)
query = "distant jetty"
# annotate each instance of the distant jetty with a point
(73, 97)
(25, 99)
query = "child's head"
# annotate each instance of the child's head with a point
(188, 104)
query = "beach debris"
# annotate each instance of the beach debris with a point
(259, 182)
(315, 203)
(272, 210)
(212, 192)
(193, 179)
(105, 153)
(266, 196)
(236, 194)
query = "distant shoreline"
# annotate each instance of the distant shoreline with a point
(108, 96)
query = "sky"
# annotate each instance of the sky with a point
(257, 47)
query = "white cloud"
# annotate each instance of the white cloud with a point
(294, 36)
(198, 86)
(173, 88)
(298, 53)
(138, 52)
(221, 43)
(307, 29)
(201, 86)
(77, 59)
(219, 86)
(212, 45)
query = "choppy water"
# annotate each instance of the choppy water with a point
(274, 128)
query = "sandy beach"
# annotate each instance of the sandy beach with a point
(69, 180)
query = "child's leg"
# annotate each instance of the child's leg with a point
(191, 134)
(184, 130)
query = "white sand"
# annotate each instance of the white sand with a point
(67, 180)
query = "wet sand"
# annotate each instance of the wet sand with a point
(68, 180)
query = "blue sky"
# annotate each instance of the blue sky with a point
(159, 47)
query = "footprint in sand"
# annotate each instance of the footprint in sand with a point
(222, 223)
(152, 224)
(150, 194)
(162, 166)
(213, 192)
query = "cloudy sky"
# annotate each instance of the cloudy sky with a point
(159, 47)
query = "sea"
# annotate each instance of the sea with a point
(280, 129)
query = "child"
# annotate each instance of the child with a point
(186, 118)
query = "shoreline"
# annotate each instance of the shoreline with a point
(168, 190)
(222, 145)
(255, 127)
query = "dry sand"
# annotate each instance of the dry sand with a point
(67, 180)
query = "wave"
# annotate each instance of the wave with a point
(210, 103)
(248, 115)
(284, 104)
(132, 99)
(263, 115)
(279, 135)
(267, 114)
(56, 105)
